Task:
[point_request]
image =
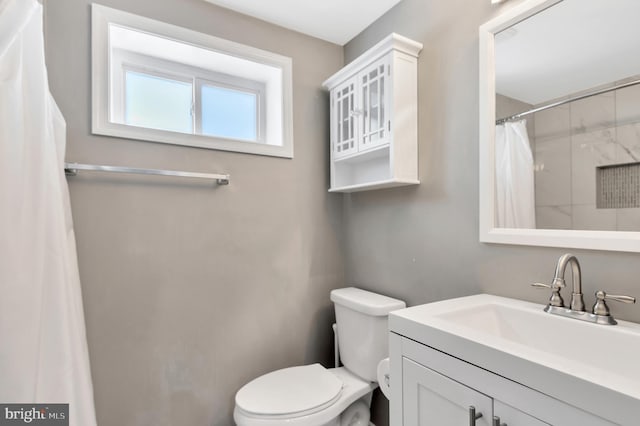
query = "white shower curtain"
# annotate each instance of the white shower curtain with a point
(515, 190)
(43, 347)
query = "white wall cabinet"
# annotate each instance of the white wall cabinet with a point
(438, 389)
(374, 118)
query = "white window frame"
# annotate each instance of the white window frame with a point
(274, 116)
(123, 61)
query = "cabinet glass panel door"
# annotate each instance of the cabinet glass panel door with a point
(374, 120)
(344, 119)
(429, 399)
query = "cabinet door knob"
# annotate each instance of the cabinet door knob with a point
(473, 416)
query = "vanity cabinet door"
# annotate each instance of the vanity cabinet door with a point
(430, 399)
(437, 390)
(510, 416)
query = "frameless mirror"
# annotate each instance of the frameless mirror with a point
(560, 125)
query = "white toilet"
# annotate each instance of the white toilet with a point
(312, 395)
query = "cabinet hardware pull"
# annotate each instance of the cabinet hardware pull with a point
(473, 416)
(496, 421)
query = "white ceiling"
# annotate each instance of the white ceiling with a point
(572, 46)
(337, 21)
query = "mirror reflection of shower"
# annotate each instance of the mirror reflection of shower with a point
(582, 113)
(515, 191)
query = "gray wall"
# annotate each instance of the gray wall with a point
(420, 243)
(190, 291)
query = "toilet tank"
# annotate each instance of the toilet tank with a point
(361, 318)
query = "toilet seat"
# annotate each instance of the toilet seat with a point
(353, 388)
(290, 392)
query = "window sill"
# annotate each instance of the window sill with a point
(191, 140)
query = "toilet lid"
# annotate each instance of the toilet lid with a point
(290, 390)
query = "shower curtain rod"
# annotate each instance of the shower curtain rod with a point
(566, 101)
(71, 169)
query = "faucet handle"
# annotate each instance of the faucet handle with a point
(557, 284)
(601, 308)
(555, 299)
(541, 285)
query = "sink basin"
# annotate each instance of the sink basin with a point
(590, 344)
(519, 340)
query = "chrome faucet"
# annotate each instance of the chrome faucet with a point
(577, 301)
(600, 314)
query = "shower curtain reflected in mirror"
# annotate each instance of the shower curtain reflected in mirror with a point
(43, 348)
(515, 190)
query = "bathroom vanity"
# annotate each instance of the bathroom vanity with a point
(486, 360)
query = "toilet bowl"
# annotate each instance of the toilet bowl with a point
(309, 395)
(312, 395)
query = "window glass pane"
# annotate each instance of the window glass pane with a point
(158, 103)
(229, 113)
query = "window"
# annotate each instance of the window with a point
(229, 112)
(153, 93)
(158, 82)
(157, 102)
